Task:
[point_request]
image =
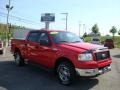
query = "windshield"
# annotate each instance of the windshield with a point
(65, 37)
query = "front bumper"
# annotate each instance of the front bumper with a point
(1, 49)
(93, 72)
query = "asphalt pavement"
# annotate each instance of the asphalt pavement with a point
(35, 78)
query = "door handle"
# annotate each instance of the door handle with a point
(25, 44)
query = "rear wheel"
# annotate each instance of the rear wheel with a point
(1, 51)
(66, 73)
(18, 59)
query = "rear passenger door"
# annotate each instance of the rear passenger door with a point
(32, 46)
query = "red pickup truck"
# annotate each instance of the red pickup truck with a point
(62, 51)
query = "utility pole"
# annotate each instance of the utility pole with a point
(66, 21)
(9, 8)
(83, 28)
(79, 28)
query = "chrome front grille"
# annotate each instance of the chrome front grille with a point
(102, 55)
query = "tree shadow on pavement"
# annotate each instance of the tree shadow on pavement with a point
(84, 83)
(116, 56)
(34, 78)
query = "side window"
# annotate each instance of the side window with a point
(43, 39)
(33, 36)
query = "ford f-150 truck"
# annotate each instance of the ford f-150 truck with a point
(62, 51)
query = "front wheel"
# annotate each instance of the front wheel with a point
(66, 73)
(18, 59)
(1, 51)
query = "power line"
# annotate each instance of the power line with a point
(19, 20)
(2, 8)
(3, 11)
(16, 18)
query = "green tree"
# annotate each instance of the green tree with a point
(95, 29)
(119, 32)
(12, 28)
(84, 35)
(113, 30)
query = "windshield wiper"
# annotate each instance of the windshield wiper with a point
(75, 41)
(63, 41)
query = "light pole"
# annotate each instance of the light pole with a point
(83, 28)
(66, 20)
(79, 27)
(9, 8)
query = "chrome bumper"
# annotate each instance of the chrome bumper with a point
(92, 72)
(1, 48)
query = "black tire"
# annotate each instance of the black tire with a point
(19, 61)
(66, 73)
(1, 51)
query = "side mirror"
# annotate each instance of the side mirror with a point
(44, 42)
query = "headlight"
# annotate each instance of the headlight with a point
(85, 57)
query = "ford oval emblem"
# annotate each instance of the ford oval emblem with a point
(103, 55)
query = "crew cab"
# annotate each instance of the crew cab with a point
(62, 51)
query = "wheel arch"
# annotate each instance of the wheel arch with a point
(63, 59)
(16, 49)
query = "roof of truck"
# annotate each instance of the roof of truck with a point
(50, 30)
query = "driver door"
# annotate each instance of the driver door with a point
(45, 53)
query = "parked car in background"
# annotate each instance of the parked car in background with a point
(109, 43)
(1, 47)
(95, 41)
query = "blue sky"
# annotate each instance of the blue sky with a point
(103, 12)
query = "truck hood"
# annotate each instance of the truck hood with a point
(84, 46)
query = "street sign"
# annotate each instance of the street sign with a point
(47, 17)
